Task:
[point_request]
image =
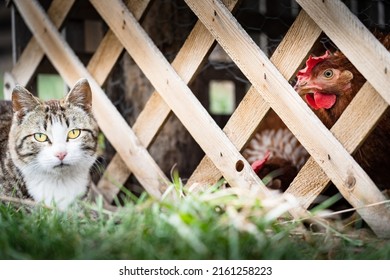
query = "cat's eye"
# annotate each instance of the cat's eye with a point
(74, 133)
(40, 137)
(328, 73)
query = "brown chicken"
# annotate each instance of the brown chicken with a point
(328, 83)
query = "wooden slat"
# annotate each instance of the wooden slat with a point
(110, 121)
(156, 111)
(311, 180)
(337, 163)
(361, 47)
(100, 66)
(178, 96)
(289, 55)
(32, 55)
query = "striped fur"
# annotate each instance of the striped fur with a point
(57, 169)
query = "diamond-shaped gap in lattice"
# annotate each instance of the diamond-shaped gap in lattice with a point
(168, 23)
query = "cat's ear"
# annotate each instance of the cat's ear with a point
(80, 95)
(23, 101)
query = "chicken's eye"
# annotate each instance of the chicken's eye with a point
(328, 73)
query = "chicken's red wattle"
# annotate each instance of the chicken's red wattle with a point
(320, 100)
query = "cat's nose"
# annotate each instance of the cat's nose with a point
(61, 155)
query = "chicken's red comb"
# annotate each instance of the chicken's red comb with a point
(311, 62)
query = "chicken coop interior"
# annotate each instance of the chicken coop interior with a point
(206, 89)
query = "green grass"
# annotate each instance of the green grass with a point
(215, 224)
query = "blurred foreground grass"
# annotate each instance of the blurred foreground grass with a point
(213, 224)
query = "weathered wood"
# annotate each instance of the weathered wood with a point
(361, 47)
(100, 66)
(294, 47)
(110, 121)
(337, 163)
(156, 111)
(311, 180)
(32, 55)
(178, 96)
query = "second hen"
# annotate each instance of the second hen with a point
(276, 156)
(328, 83)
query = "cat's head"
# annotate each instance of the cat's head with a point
(56, 137)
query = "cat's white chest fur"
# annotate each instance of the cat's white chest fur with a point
(60, 191)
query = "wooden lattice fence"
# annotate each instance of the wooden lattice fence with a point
(330, 150)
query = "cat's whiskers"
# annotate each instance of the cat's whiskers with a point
(97, 169)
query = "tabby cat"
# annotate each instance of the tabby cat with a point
(47, 148)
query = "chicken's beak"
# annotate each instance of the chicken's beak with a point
(301, 87)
